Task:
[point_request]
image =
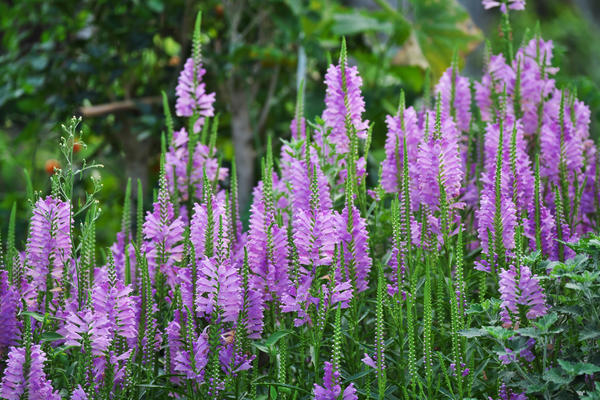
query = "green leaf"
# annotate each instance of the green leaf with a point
(275, 336)
(473, 332)
(499, 333)
(34, 315)
(51, 336)
(553, 375)
(588, 334)
(529, 332)
(579, 368)
(441, 27)
(546, 322)
(261, 347)
(358, 22)
(475, 309)
(156, 5)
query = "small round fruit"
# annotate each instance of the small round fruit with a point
(51, 166)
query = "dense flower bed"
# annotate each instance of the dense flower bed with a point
(446, 279)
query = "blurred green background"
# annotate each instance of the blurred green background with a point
(108, 61)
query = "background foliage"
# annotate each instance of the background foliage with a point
(67, 57)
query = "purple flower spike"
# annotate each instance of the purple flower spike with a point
(192, 366)
(532, 294)
(13, 383)
(335, 111)
(331, 389)
(10, 326)
(315, 236)
(356, 256)
(524, 290)
(49, 243)
(390, 178)
(462, 97)
(191, 94)
(79, 394)
(218, 286)
(439, 163)
(485, 217)
(36, 383)
(164, 235)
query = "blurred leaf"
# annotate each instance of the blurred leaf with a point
(356, 22)
(51, 337)
(553, 375)
(441, 26)
(34, 315)
(473, 332)
(579, 368)
(588, 334)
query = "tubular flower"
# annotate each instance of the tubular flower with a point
(440, 164)
(455, 88)
(532, 294)
(174, 341)
(504, 7)
(13, 383)
(394, 150)
(164, 234)
(192, 98)
(295, 171)
(518, 182)
(218, 286)
(10, 326)
(354, 239)
(203, 162)
(294, 128)
(118, 305)
(485, 220)
(79, 394)
(315, 237)
(95, 326)
(253, 309)
(331, 389)
(267, 246)
(49, 243)
(336, 111)
(232, 361)
(575, 132)
(299, 299)
(547, 231)
(35, 382)
(199, 226)
(536, 85)
(498, 77)
(505, 393)
(192, 364)
(523, 290)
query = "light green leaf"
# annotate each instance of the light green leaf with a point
(579, 368)
(441, 27)
(553, 375)
(473, 332)
(357, 22)
(276, 336)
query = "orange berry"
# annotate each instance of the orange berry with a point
(51, 166)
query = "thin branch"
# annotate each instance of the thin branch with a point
(107, 108)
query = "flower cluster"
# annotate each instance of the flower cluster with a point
(190, 302)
